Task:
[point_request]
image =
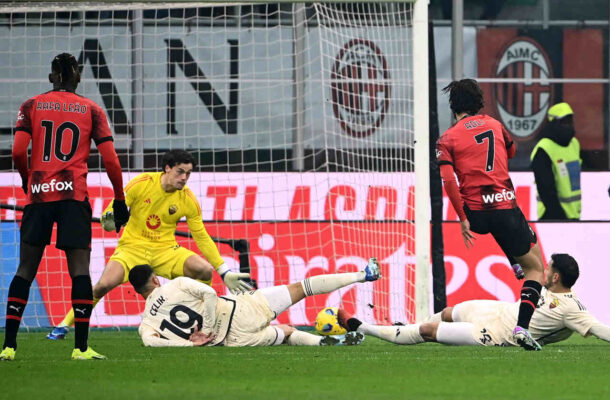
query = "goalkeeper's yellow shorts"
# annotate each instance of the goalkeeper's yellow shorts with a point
(167, 262)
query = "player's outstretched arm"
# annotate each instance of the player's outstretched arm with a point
(232, 280)
(102, 136)
(115, 173)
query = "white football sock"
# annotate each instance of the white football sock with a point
(300, 338)
(434, 318)
(456, 333)
(321, 284)
(399, 334)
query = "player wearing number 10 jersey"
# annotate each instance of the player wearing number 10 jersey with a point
(60, 124)
(477, 149)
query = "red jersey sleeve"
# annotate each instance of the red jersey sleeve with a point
(100, 130)
(453, 191)
(24, 121)
(20, 154)
(511, 146)
(444, 153)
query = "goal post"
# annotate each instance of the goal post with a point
(422, 181)
(309, 123)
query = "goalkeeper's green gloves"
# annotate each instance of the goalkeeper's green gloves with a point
(233, 280)
(108, 221)
(113, 220)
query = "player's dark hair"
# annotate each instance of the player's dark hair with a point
(64, 69)
(139, 277)
(567, 267)
(175, 157)
(465, 96)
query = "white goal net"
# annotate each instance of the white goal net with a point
(308, 122)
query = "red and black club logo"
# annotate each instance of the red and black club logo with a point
(360, 87)
(522, 106)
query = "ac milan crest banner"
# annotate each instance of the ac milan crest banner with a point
(531, 58)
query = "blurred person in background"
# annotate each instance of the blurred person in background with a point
(556, 164)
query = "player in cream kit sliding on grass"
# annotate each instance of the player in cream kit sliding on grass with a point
(185, 312)
(490, 323)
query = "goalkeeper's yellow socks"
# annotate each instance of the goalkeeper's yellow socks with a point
(68, 320)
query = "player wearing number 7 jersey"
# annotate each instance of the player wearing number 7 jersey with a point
(477, 149)
(61, 125)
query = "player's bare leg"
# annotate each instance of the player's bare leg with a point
(532, 264)
(443, 316)
(197, 268)
(447, 314)
(533, 268)
(112, 276)
(18, 294)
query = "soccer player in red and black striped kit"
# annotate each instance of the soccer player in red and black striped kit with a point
(477, 149)
(60, 124)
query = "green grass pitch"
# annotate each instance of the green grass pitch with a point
(576, 369)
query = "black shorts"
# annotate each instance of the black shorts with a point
(73, 224)
(509, 227)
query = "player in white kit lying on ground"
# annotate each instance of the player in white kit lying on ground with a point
(491, 323)
(185, 312)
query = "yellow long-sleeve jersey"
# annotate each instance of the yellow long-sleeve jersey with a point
(155, 214)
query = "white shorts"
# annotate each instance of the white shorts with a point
(250, 325)
(486, 319)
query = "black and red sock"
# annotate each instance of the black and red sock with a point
(530, 294)
(82, 304)
(18, 294)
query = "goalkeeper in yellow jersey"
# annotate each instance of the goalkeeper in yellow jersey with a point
(157, 201)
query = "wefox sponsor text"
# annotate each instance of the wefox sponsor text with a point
(52, 186)
(505, 195)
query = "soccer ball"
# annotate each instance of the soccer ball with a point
(327, 323)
